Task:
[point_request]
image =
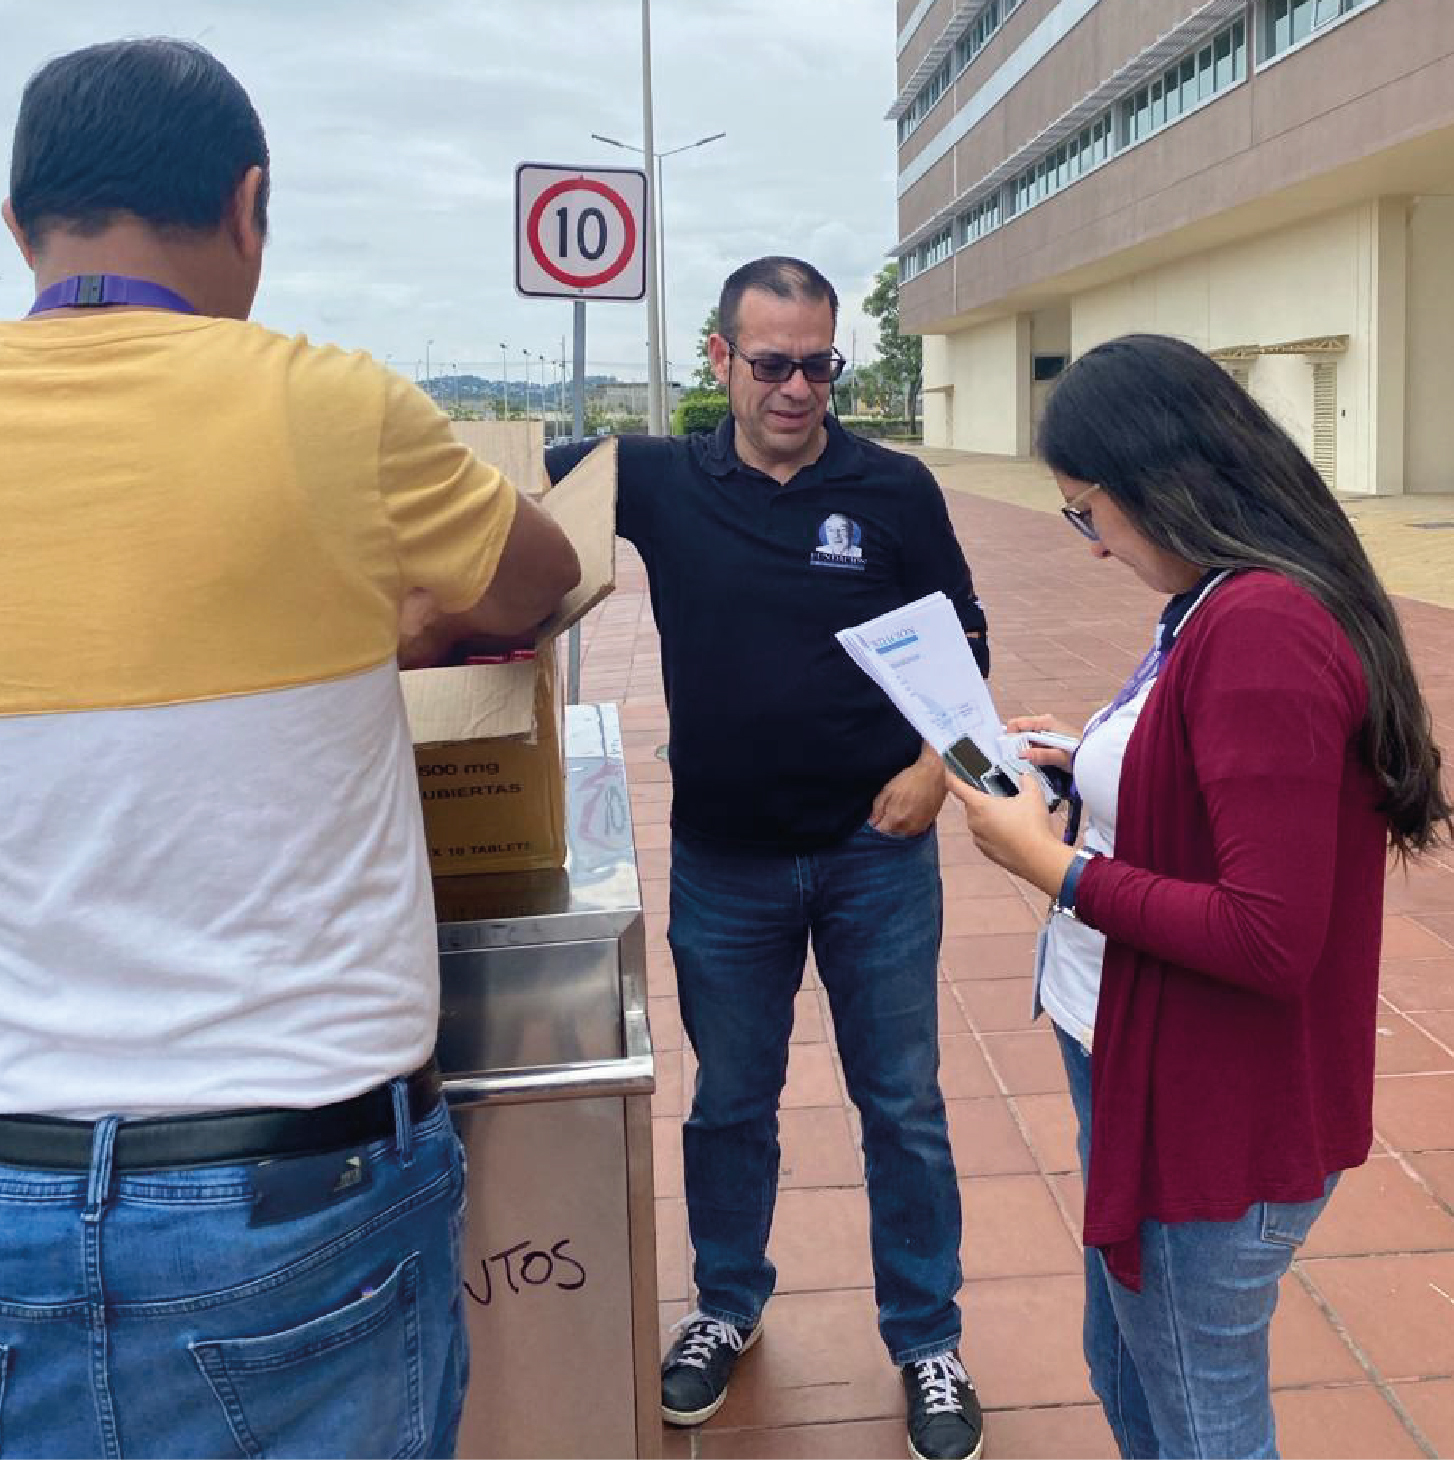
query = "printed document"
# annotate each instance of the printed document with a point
(919, 656)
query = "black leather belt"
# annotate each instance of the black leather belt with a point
(220, 1138)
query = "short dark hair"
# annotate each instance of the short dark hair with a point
(156, 128)
(1203, 471)
(785, 277)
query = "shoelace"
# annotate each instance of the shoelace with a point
(937, 1378)
(703, 1336)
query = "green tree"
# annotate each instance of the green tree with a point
(900, 357)
(874, 391)
(706, 379)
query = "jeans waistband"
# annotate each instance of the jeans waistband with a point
(220, 1138)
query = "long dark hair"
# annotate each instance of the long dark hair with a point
(1203, 471)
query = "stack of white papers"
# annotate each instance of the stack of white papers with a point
(919, 656)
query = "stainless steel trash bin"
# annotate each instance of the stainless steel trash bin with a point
(548, 1068)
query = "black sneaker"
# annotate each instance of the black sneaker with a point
(944, 1418)
(697, 1366)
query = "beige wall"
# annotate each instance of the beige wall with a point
(989, 407)
(936, 400)
(1284, 385)
(1429, 453)
(1343, 274)
(1291, 285)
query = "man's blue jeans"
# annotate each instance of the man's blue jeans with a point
(141, 1314)
(739, 932)
(1181, 1367)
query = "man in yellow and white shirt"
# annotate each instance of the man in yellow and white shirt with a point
(218, 978)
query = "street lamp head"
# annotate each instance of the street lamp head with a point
(612, 142)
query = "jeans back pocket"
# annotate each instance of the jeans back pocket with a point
(348, 1383)
(1289, 1222)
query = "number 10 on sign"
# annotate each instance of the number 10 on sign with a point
(580, 233)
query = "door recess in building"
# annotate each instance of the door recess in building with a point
(1325, 420)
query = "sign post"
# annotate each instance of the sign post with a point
(580, 233)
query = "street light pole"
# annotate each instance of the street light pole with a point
(428, 345)
(659, 397)
(505, 369)
(653, 301)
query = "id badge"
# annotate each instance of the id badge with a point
(1042, 949)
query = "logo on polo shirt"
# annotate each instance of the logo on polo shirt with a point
(840, 543)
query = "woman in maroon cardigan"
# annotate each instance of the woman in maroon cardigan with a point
(1284, 747)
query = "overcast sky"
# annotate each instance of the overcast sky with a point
(396, 125)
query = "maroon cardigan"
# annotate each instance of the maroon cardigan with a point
(1243, 909)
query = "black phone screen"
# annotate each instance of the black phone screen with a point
(971, 764)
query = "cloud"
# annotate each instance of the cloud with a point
(396, 129)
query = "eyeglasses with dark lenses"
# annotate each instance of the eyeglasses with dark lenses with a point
(1080, 517)
(778, 369)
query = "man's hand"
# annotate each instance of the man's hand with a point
(537, 568)
(911, 801)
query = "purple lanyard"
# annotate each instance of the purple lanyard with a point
(89, 291)
(1141, 676)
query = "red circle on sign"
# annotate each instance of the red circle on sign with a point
(581, 184)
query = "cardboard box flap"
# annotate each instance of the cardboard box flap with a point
(583, 503)
(516, 448)
(470, 702)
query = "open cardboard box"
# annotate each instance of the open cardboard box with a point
(487, 737)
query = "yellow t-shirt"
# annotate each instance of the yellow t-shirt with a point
(198, 507)
(214, 889)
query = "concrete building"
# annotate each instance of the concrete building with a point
(628, 398)
(1272, 180)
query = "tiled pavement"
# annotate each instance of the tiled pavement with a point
(1363, 1342)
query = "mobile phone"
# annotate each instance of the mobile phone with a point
(971, 764)
(1050, 740)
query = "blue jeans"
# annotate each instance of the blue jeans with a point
(739, 934)
(141, 1314)
(1181, 1367)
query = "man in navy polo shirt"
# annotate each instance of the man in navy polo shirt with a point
(803, 807)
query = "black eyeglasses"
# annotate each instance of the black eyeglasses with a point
(1079, 517)
(778, 369)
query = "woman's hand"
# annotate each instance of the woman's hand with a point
(1016, 832)
(1044, 754)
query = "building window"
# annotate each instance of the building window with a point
(1062, 165)
(979, 219)
(1202, 73)
(974, 39)
(927, 99)
(1288, 22)
(1213, 67)
(932, 251)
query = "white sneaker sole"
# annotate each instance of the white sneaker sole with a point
(686, 1418)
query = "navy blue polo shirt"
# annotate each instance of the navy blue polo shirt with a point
(779, 742)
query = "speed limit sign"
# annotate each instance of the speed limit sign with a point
(580, 233)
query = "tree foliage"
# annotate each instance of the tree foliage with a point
(900, 357)
(699, 410)
(705, 379)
